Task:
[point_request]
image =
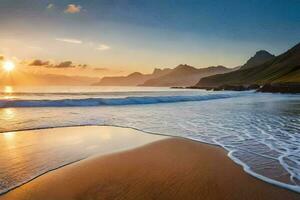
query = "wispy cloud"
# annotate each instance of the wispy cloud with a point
(103, 47)
(69, 40)
(72, 9)
(100, 47)
(50, 6)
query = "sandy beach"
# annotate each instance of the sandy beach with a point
(170, 168)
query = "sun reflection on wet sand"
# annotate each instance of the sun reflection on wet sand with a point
(9, 135)
(28, 154)
(9, 141)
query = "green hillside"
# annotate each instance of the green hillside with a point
(281, 69)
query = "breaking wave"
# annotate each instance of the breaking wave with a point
(14, 103)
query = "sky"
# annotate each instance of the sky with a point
(115, 37)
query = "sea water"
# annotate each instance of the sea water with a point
(260, 131)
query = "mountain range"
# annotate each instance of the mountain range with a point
(182, 75)
(185, 75)
(133, 79)
(284, 68)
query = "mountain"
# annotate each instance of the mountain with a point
(130, 80)
(182, 75)
(280, 69)
(185, 75)
(24, 78)
(133, 79)
(259, 58)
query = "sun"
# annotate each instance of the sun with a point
(8, 66)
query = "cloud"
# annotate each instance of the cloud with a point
(83, 66)
(39, 63)
(65, 64)
(1, 58)
(103, 47)
(72, 9)
(47, 64)
(50, 6)
(61, 65)
(69, 40)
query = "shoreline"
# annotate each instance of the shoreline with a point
(236, 161)
(183, 146)
(273, 88)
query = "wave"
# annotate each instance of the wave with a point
(14, 103)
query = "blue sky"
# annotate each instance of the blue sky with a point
(140, 35)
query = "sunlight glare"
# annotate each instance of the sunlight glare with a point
(9, 135)
(8, 66)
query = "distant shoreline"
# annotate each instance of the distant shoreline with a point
(285, 88)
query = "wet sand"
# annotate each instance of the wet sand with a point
(27, 154)
(171, 168)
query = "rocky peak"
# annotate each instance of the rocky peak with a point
(259, 58)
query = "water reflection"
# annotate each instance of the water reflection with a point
(7, 114)
(9, 135)
(8, 92)
(9, 142)
(27, 154)
(8, 89)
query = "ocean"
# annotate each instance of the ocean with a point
(260, 131)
